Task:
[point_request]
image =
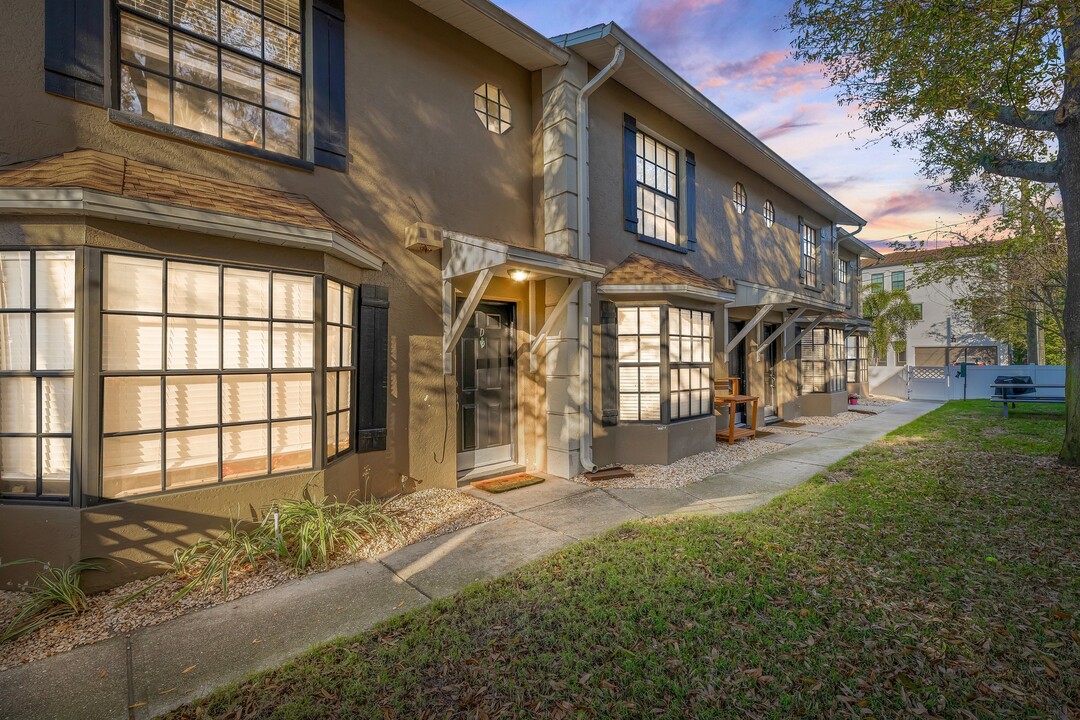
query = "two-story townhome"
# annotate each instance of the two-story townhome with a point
(723, 261)
(249, 247)
(943, 335)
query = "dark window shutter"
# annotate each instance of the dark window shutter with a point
(372, 368)
(691, 201)
(328, 84)
(630, 173)
(609, 363)
(75, 49)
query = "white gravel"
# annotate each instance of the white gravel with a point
(421, 515)
(690, 469)
(879, 401)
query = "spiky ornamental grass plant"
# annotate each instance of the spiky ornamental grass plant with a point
(56, 593)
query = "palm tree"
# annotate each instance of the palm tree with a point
(891, 314)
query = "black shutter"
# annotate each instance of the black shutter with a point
(328, 84)
(75, 49)
(372, 368)
(691, 201)
(609, 363)
(630, 173)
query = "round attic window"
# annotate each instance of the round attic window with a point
(492, 108)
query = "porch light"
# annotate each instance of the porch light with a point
(519, 275)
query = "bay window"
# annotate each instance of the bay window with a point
(37, 369)
(340, 367)
(658, 342)
(208, 374)
(822, 361)
(231, 70)
(639, 364)
(856, 358)
(690, 349)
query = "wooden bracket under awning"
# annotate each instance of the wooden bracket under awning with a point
(467, 255)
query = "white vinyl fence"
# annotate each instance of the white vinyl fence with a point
(934, 383)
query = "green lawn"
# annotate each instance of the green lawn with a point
(933, 574)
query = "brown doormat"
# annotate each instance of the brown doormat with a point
(507, 483)
(764, 433)
(611, 473)
(788, 423)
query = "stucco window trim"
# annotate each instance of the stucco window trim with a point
(154, 127)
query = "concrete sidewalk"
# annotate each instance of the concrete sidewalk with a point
(155, 669)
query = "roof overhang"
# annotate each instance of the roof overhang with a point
(467, 254)
(749, 294)
(853, 244)
(688, 292)
(643, 73)
(82, 202)
(499, 30)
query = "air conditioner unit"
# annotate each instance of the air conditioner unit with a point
(422, 237)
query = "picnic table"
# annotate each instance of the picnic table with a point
(1008, 393)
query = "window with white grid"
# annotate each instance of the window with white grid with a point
(208, 374)
(340, 367)
(492, 108)
(227, 68)
(639, 364)
(658, 190)
(810, 250)
(690, 353)
(37, 368)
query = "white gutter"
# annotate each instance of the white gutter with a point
(584, 253)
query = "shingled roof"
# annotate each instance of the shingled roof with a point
(639, 269)
(123, 177)
(915, 257)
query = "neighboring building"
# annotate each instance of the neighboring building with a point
(250, 247)
(929, 341)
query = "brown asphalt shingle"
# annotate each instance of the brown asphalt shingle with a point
(127, 178)
(642, 270)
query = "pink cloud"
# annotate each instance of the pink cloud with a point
(664, 18)
(773, 72)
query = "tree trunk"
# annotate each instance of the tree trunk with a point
(1069, 148)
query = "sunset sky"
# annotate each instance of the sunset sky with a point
(736, 52)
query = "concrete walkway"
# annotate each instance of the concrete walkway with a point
(155, 669)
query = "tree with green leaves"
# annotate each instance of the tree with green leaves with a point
(1009, 276)
(986, 90)
(891, 314)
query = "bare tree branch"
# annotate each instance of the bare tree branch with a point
(1043, 172)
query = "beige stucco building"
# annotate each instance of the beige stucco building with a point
(248, 248)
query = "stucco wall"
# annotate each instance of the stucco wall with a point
(739, 246)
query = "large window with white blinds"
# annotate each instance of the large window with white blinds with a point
(657, 343)
(37, 368)
(208, 374)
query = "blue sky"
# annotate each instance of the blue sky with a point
(736, 52)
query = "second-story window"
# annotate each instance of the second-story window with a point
(842, 271)
(898, 280)
(658, 190)
(738, 195)
(877, 282)
(810, 249)
(769, 211)
(232, 70)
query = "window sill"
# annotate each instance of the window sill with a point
(662, 244)
(154, 127)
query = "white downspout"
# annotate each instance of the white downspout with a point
(584, 252)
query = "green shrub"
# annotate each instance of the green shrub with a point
(310, 532)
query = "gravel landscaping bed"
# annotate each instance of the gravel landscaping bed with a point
(879, 401)
(838, 420)
(421, 515)
(691, 469)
